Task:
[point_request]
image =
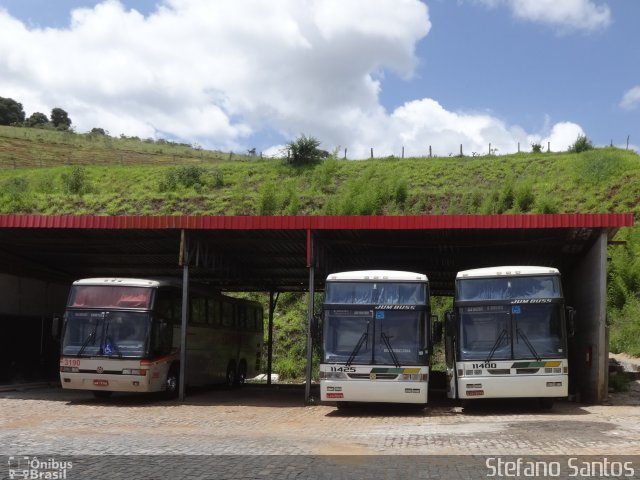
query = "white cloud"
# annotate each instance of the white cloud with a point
(631, 98)
(560, 138)
(566, 15)
(216, 73)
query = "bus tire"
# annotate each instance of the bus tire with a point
(102, 394)
(172, 383)
(231, 374)
(241, 374)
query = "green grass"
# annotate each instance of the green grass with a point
(54, 173)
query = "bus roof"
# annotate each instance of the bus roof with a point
(378, 275)
(121, 282)
(507, 271)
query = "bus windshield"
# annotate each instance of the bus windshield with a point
(505, 288)
(380, 337)
(107, 296)
(116, 333)
(509, 332)
(371, 293)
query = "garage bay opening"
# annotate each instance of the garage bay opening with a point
(124, 335)
(507, 335)
(376, 338)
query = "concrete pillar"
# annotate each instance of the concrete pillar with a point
(588, 350)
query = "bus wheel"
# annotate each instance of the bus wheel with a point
(546, 403)
(173, 382)
(241, 375)
(231, 374)
(102, 394)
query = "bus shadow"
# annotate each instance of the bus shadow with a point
(214, 395)
(364, 410)
(520, 406)
(440, 406)
(293, 396)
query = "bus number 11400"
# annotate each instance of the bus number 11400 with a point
(484, 365)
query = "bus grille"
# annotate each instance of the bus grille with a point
(367, 376)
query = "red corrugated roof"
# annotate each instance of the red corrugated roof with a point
(573, 220)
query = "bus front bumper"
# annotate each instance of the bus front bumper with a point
(373, 391)
(108, 382)
(522, 386)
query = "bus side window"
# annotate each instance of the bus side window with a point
(167, 306)
(227, 315)
(257, 315)
(198, 311)
(242, 317)
(213, 312)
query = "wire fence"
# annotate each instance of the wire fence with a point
(41, 151)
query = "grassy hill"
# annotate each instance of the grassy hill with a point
(47, 172)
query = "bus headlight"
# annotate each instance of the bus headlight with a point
(134, 371)
(333, 376)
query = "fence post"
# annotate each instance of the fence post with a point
(345, 153)
(518, 147)
(430, 152)
(461, 154)
(628, 141)
(403, 152)
(548, 147)
(371, 152)
(489, 149)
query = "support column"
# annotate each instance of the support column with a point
(307, 389)
(310, 262)
(272, 307)
(184, 261)
(589, 351)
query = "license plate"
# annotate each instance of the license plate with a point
(101, 383)
(475, 393)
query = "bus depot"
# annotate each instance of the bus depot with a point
(42, 256)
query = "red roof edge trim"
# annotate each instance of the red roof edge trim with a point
(425, 222)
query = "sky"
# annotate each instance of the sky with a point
(384, 74)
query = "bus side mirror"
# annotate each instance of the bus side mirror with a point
(571, 321)
(449, 324)
(55, 327)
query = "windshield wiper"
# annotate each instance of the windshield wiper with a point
(503, 334)
(363, 338)
(91, 336)
(385, 339)
(108, 340)
(528, 343)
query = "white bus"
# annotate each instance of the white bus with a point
(123, 335)
(376, 338)
(507, 335)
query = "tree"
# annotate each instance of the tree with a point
(582, 144)
(304, 150)
(36, 119)
(11, 112)
(60, 119)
